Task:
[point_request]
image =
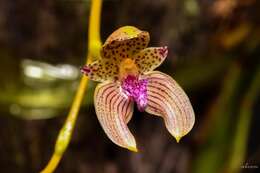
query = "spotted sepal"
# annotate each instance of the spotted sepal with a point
(150, 58)
(124, 43)
(101, 70)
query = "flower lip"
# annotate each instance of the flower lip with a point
(136, 89)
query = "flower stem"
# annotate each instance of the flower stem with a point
(94, 46)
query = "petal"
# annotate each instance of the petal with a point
(167, 99)
(124, 42)
(150, 58)
(101, 70)
(114, 110)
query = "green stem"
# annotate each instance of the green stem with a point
(94, 46)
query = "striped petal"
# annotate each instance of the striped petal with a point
(124, 43)
(167, 99)
(150, 58)
(114, 110)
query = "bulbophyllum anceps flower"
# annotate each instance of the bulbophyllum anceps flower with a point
(126, 72)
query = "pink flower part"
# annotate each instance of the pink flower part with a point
(126, 70)
(163, 51)
(136, 89)
(85, 70)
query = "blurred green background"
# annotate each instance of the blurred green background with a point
(214, 53)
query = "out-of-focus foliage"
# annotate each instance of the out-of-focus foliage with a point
(214, 50)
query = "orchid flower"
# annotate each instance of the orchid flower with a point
(126, 72)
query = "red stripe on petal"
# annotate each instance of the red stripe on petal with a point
(167, 99)
(112, 107)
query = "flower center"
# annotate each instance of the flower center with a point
(127, 67)
(132, 86)
(136, 89)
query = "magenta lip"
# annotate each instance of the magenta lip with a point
(136, 89)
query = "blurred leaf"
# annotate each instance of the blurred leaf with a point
(232, 38)
(198, 73)
(214, 150)
(238, 150)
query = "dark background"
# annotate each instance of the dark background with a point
(213, 53)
